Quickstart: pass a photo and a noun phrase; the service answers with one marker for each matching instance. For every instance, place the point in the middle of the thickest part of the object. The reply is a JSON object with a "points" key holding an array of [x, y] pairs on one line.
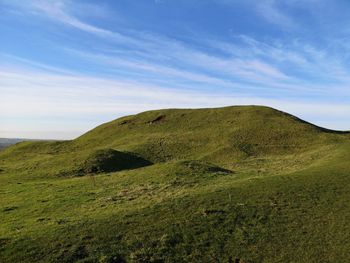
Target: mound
{"points": [[109, 160], [217, 135]]}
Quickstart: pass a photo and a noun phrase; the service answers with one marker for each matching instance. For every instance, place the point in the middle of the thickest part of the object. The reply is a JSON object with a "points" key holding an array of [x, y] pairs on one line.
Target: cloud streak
{"points": [[135, 70]]}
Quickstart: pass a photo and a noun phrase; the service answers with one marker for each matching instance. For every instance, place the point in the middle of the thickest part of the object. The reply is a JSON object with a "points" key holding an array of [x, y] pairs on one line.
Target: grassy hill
{"points": [[6, 142], [233, 184]]}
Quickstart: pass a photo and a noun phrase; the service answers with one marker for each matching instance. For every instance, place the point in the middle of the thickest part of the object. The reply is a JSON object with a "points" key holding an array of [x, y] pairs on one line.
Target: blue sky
{"points": [[67, 66]]}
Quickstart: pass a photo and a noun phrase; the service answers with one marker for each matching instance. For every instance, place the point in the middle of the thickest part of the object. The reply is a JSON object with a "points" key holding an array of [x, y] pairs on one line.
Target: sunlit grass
{"points": [[242, 183]]}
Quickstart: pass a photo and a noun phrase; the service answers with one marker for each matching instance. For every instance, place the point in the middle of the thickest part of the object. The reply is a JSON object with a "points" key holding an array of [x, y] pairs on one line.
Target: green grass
{"points": [[234, 184]]}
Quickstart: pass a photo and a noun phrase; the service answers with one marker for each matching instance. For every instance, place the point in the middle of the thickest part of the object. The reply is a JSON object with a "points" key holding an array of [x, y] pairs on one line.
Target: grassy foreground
{"points": [[234, 184]]}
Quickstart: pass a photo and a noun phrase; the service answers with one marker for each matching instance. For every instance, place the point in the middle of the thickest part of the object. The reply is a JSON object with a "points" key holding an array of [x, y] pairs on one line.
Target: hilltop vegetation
{"points": [[234, 184]]}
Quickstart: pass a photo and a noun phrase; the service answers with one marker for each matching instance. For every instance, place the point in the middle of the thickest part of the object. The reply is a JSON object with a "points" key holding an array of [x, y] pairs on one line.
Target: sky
{"points": [[67, 66]]}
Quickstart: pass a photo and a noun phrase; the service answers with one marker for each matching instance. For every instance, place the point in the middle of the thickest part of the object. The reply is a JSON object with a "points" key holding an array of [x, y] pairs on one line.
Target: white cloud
{"points": [[257, 69], [58, 10], [270, 10]]}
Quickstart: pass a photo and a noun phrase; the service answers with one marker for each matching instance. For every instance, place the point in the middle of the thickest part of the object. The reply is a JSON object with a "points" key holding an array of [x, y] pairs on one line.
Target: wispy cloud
{"points": [[138, 70], [271, 11], [58, 10], [157, 54]]}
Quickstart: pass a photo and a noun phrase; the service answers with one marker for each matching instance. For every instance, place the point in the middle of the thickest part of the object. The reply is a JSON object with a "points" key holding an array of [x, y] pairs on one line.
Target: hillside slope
{"points": [[6, 142], [224, 136], [234, 184]]}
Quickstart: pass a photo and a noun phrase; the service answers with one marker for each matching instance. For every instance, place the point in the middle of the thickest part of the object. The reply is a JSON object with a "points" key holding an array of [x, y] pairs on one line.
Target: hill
{"points": [[5, 142], [233, 184]]}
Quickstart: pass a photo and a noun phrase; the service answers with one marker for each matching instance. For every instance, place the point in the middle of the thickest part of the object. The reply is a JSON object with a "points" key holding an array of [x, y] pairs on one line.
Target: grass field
{"points": [[234, 184]]}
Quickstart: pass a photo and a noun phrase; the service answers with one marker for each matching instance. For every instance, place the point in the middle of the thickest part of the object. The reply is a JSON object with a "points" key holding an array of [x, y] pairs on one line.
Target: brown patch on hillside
{"points": [[159, 119]]}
